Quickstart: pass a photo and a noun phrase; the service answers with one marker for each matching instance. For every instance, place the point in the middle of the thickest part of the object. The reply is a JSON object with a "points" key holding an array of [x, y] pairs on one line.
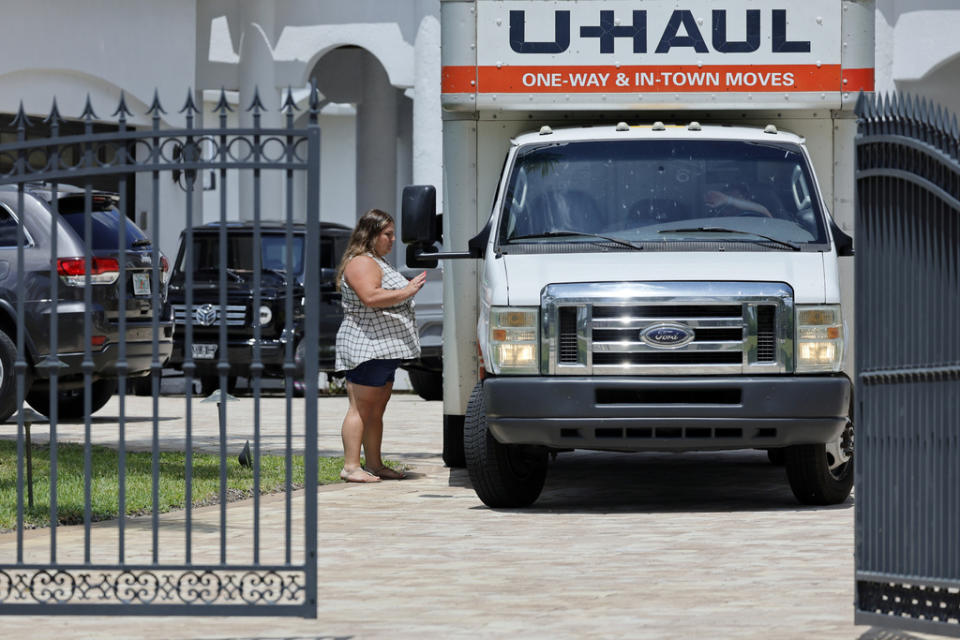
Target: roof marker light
{"points": [[623, 126], [694, 126], [545, 130], [658, 126], [770, 129]]}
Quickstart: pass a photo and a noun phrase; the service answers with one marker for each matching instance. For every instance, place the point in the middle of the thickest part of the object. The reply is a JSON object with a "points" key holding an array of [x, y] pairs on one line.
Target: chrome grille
{"points": [[236, 314], [600, 328]]}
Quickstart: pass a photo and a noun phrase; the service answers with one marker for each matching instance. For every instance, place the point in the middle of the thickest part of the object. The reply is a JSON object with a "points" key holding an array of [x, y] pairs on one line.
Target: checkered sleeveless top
{"points": [[369, 333]]}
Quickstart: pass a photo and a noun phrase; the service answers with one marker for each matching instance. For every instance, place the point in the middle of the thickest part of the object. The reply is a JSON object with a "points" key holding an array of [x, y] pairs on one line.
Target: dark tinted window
{"points": [[8, 228], [106, 229], [240, 255]]}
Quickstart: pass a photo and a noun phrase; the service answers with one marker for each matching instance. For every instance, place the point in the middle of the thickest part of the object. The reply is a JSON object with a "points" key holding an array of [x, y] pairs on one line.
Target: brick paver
{"points": [[704, 545]]}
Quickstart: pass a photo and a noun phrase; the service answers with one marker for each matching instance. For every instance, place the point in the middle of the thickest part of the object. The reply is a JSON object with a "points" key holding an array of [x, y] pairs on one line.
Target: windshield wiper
{"points": [[783, 243], [561, 233]]}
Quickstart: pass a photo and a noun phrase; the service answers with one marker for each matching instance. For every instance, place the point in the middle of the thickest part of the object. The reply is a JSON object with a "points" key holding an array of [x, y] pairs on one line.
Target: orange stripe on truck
{"points": [[654, 79]]}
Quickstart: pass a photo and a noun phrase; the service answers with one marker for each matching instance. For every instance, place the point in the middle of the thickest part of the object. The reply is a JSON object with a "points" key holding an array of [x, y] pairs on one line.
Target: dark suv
{"points": [[109, 298], [240, 312]]}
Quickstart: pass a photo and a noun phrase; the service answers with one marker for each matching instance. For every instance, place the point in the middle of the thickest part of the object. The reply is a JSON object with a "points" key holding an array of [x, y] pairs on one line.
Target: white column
{"points": [[376, 141], [427, 125], [257, 72]]}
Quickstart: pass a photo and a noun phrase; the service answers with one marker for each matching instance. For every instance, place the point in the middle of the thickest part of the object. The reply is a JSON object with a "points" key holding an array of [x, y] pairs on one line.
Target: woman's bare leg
{"points": [[371, 410], [352, 433]]}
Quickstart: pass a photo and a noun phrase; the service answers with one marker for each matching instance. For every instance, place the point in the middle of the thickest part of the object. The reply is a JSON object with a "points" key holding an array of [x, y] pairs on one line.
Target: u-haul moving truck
{"points": [[655, 265]]}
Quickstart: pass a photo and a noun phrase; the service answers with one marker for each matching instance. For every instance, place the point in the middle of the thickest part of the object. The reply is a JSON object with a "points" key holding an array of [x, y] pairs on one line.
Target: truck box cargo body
{"points": [[657, 262]]}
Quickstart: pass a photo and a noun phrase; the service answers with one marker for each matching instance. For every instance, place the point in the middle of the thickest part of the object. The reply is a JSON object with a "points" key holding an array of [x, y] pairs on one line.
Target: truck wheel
{"points": [[821, 474], [8, 377], [70, 402], [427, 384], [504, 476]]}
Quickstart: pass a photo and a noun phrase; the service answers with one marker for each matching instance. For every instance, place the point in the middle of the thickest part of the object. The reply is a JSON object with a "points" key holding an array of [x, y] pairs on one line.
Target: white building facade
{"points": [[376, 65]]}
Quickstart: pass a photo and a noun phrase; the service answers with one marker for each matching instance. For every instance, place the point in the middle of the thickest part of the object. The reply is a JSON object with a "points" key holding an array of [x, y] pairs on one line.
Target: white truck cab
{"points": [[653, 267]]}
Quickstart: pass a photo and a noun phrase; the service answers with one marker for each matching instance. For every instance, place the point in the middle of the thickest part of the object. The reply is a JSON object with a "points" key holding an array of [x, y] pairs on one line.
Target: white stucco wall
{"points": [[69, 49]]}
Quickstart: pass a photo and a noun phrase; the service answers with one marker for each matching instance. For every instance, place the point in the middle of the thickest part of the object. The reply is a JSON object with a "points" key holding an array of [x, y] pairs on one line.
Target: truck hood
{"points": [[527, 275]]}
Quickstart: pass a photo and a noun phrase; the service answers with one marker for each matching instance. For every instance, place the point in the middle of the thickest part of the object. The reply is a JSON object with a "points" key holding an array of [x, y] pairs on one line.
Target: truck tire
{"points": [[70, 402], [504, 476], [812, 480], [8, 377], [427, 384]]}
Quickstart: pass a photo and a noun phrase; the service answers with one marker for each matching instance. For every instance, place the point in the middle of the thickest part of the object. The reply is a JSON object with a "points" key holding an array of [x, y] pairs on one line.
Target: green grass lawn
{"points": [[139, 481]]}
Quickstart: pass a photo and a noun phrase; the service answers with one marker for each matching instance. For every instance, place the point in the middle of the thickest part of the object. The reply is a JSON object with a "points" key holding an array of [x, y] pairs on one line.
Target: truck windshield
{"points": [[642, 191], [240, 254]]}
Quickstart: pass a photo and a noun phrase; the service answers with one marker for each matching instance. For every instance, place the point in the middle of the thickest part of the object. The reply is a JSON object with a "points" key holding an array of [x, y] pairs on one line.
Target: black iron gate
{"points": [[908, 365], [112, 302]]}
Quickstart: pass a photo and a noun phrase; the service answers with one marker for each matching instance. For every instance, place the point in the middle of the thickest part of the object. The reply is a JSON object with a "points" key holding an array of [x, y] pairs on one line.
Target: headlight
{"points": [[819, 338], [266, 315], [514, 339]]}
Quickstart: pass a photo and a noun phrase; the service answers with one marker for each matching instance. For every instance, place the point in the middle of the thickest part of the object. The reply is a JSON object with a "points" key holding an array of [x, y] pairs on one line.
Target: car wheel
{"points": [[8, 377], [427, 384], [504, 476], [821, 474], [70, 402], [142, 386]]}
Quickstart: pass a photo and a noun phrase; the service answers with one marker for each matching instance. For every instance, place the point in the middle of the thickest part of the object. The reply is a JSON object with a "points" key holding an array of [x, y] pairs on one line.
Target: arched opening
{"points": [[367, 130]]}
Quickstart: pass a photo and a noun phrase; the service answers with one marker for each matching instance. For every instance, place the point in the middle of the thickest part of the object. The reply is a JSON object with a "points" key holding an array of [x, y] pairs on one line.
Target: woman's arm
{"points": [[365, 277]]}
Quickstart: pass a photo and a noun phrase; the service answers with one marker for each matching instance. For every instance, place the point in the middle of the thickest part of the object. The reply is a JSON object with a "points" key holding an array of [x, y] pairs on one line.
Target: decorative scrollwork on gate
{"points": [[153, 586]]}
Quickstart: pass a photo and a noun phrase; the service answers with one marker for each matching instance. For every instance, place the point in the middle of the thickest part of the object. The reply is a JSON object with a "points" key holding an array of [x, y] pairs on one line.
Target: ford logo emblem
{"points": [[667, 335]]}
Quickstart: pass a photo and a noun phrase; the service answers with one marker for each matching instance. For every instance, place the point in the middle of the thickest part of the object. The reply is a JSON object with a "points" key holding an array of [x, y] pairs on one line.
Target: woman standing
{"points": [[378, 332]]}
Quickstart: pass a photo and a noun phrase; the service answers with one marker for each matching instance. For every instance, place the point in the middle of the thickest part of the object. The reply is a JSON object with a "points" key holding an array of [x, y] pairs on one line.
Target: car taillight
{"points": [[164, 268], [102, 270]]}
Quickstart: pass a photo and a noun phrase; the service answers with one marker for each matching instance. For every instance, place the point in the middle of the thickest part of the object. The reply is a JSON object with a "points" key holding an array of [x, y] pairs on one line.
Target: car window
{"points": [[240, 254], [106, 229], [8, 228]]}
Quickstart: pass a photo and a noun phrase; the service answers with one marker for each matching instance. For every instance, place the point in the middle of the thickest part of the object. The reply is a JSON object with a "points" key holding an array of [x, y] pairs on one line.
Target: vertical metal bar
{"points": [[288, 357], [256, 369], [20, 367], [155, 444], [52, 359], [87, 365], [312, 268], [122, 364], [223, 369]]}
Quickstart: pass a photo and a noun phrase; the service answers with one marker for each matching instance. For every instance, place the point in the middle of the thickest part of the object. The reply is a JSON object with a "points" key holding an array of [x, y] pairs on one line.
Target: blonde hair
{"points": [[364, 236]]}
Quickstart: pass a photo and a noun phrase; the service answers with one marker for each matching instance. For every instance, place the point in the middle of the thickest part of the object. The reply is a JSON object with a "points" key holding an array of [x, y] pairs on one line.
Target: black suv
{"points": [[109, 298], [240, 313]]}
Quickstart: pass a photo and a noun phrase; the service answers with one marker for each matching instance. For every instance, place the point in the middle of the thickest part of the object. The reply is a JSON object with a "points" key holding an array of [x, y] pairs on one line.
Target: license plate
{"points": [[204, 351], [141, 284]]}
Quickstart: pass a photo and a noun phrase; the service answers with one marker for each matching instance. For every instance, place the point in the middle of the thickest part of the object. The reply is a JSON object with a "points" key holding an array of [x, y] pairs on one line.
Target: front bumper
{"points": [[240, 356], [667, 413]]}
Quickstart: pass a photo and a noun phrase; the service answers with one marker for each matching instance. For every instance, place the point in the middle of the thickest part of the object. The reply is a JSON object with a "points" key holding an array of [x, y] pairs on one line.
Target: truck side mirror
{"points": [[418, 213]]}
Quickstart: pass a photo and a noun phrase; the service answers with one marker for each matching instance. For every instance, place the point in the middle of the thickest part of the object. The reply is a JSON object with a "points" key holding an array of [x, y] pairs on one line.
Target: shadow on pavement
{"points": [[600, 482]]}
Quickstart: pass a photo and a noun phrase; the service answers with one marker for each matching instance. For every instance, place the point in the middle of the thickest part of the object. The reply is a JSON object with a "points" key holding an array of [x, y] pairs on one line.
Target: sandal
{"points": [[358, 475], [386, 473]]}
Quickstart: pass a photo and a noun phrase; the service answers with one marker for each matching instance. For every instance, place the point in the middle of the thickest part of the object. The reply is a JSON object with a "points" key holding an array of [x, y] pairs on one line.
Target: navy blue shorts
{"points": [[373, 373]]}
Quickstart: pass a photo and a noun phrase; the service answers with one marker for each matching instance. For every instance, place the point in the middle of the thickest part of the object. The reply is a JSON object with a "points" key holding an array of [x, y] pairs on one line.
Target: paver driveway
{"points": [[705, 545]]}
